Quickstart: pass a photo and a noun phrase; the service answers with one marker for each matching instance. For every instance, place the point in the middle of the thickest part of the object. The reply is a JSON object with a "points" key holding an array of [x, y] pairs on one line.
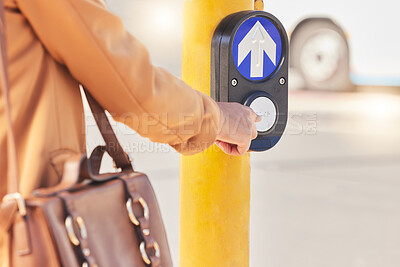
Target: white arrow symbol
{"points": [[256, 41]]}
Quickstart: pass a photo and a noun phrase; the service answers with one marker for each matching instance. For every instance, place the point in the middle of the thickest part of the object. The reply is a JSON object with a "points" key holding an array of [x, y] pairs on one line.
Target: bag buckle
{"points": [[19, 200]]}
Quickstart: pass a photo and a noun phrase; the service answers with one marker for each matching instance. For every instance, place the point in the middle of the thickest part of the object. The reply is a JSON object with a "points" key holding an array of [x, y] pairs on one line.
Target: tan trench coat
{"points": [[53, 44]]}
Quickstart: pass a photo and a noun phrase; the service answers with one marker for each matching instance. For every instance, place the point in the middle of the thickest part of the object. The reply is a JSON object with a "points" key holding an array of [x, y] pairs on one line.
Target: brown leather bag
{"points": [[88, 219]]}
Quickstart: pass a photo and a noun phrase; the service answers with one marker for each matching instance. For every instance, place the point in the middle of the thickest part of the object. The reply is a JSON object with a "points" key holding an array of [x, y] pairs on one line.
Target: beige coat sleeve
{"points": [[115, 67]]}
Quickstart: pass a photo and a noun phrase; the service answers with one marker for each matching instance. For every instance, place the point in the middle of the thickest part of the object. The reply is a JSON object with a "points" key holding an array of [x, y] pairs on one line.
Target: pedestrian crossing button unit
{"points": [[249, 65]]}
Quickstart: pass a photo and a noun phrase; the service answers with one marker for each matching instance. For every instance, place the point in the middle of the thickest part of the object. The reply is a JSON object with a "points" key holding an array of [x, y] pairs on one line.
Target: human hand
{"points": [[237, 128]]}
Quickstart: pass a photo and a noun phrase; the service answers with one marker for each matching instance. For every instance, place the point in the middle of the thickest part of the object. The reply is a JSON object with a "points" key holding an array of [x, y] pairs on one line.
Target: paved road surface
{"points": [[328, 195]]}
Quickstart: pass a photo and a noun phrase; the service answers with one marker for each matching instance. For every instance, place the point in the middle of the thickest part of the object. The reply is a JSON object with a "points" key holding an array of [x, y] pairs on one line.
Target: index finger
{"points": [[253, 115]]}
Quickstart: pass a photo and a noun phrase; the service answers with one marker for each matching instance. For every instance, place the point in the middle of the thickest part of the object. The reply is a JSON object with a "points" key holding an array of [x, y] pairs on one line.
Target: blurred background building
{"points": [[328, 195]]}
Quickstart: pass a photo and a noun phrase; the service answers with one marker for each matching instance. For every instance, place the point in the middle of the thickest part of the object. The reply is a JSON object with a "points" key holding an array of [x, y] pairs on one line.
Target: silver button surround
{"points": [[266, 109]]}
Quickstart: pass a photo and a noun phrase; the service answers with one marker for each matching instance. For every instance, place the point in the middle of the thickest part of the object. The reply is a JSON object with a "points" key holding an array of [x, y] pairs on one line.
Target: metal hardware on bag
{"points": [[144, 253], [146, 231], [132, 217], [85, 264], [156, 249], [82, 227], [86, 252], [19, 200], [146, 211], [71, 232], [145, 257]]}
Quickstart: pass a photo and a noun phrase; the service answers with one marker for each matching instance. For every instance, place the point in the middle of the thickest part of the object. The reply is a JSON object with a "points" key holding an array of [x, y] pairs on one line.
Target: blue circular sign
{"points": [[257, 48]]}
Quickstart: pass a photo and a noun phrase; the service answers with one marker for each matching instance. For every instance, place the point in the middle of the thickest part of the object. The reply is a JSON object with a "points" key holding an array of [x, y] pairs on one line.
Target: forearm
{"points": [[116, 68]]}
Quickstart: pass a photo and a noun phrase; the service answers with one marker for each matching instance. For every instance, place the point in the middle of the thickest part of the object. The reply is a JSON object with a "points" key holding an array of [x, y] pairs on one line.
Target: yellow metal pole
{"points": [[214, 187], [259, 5]]}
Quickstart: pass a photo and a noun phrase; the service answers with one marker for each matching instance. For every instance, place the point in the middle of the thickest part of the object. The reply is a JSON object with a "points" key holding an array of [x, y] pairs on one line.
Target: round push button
{"points": [[265, 108]]}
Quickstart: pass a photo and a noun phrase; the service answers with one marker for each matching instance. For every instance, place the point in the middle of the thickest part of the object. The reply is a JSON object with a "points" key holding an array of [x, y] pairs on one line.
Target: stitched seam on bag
{"points": [[125, 86]]}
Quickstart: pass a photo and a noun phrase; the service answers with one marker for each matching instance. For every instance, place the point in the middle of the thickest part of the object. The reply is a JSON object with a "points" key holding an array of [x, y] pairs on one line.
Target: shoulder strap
{"points": [[114, 148]]}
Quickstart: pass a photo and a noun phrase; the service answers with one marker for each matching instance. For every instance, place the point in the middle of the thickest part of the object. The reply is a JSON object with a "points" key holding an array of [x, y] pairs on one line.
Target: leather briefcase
{"points": [[88, 219]]}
